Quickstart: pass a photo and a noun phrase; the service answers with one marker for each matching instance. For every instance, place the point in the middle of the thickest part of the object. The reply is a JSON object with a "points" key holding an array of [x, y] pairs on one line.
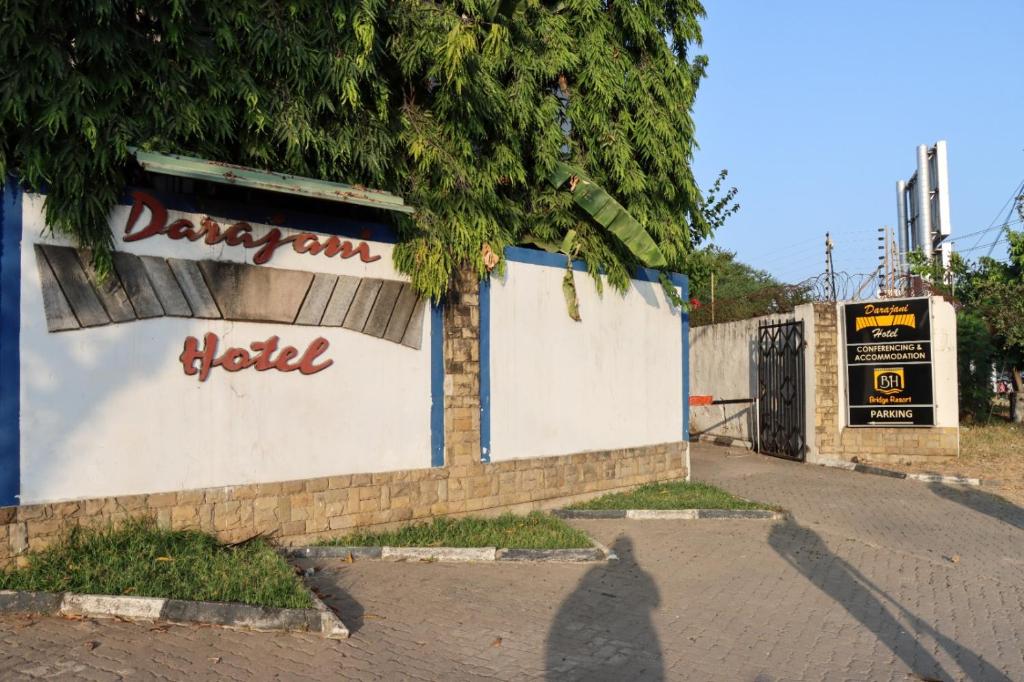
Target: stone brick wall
{"points": [[462, 370], [876, 444], [297, 512]]}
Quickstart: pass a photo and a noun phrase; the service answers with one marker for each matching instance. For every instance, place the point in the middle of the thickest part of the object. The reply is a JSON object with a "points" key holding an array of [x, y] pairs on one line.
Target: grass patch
{"points": [[139, 559], [991, 451], [508, 531], [672, 495]]}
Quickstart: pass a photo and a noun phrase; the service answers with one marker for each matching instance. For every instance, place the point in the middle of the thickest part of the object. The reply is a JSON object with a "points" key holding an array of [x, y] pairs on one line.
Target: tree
{"points": [[741, 291], [997, 293], [990, 296], [465, 108]]}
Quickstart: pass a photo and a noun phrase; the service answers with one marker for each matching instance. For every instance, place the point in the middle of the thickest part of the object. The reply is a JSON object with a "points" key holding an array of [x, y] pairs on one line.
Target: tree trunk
{"points": [[1017, 398]]}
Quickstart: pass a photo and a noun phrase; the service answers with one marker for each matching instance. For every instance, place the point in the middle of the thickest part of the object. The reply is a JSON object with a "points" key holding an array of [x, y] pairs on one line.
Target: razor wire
{"points": [[783, 298]]}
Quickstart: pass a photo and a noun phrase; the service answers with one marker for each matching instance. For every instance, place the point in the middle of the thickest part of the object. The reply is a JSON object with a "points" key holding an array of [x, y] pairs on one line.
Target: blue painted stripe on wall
{"points": [[10, 355], [519, 254], [684, 293], [436, 386], [485, 370], [538, 257]]}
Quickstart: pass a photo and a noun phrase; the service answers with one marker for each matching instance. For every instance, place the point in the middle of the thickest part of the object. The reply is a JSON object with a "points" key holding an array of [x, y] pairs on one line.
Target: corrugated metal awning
{"points": [[229, 174]]}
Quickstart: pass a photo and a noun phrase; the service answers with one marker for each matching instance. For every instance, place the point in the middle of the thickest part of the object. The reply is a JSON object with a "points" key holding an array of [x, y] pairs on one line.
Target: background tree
{"points": [[989, 296], [741, 291], [462, 107]]}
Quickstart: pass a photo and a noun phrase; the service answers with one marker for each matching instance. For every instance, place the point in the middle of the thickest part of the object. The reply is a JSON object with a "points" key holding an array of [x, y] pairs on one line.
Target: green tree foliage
{"points": [[462, 107], [741, 291], [975, 355], [989, 295]]}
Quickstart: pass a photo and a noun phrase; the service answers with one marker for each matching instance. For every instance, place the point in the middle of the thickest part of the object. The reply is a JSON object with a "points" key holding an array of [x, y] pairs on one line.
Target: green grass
{"points": [[508, 531], [140, 559], [672, 495]]}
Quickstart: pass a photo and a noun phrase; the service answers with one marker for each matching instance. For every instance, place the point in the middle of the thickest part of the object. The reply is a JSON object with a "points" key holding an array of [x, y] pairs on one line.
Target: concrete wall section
{"points": [[944, 367], [614, 380], [109, 410], [723, 364], [723, 359]]}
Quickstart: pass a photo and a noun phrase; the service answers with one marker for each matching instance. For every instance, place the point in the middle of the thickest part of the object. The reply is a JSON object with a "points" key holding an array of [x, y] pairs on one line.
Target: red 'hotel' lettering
{"points": [[236, 359], [238, 234]]}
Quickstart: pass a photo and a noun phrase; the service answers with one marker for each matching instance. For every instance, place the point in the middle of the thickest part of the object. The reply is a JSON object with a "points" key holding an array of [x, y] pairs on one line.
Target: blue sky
{"points": [[816, 109]]}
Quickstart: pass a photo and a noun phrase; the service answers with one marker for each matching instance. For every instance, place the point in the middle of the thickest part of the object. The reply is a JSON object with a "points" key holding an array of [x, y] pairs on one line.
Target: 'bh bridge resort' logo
{"points": [[889, 380]]}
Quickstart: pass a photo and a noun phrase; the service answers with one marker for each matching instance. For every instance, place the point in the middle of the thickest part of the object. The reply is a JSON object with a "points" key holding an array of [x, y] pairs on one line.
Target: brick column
{"points": [[826, 378], [462, 370]]}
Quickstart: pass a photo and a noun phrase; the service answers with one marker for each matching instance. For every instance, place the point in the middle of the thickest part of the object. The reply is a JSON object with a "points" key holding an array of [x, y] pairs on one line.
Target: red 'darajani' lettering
{"points": [[260, 355], [237, 234]]}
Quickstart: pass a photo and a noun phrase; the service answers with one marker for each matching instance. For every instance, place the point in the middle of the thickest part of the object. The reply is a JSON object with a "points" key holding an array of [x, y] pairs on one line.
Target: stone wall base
{"points": [[300, 512], [899, 445]]}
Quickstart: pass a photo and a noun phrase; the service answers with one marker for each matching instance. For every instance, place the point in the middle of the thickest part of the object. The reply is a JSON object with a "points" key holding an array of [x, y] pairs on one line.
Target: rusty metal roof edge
{"points": [[230, 174]]}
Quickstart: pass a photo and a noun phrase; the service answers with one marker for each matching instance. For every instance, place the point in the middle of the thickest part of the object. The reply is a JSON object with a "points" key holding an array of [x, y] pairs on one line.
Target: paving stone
{"points": [[855, 584]]}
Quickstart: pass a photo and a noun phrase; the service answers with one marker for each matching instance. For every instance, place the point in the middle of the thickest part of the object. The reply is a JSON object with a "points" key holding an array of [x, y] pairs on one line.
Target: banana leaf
{"points": [[569, 290], [609, 213], [503, 9]]}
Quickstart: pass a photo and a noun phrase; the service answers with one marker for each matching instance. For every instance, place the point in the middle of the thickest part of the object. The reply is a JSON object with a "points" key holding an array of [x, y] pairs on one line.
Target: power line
{"points": [[1011, 202], [987, 229], [985, 246]]}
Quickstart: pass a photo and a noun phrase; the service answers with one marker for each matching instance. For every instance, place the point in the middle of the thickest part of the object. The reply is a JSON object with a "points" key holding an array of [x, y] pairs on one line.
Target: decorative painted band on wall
{"points": [[143, 287]]}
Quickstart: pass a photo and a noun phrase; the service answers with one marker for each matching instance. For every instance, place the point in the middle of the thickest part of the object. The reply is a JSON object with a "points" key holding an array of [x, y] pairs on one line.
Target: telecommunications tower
{"points": [[922, 207]]}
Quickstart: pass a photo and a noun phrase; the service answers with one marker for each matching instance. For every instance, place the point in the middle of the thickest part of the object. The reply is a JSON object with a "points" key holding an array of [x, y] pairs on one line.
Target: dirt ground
{"points": [[993, 452]]}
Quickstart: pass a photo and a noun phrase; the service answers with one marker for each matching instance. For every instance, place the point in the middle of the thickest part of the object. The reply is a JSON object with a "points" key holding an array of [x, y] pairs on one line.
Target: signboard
{"points": [[889, 363]]}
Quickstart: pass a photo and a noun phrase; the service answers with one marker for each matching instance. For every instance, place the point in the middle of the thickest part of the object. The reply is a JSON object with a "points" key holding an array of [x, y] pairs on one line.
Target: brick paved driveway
{"points": [[872, 579]]}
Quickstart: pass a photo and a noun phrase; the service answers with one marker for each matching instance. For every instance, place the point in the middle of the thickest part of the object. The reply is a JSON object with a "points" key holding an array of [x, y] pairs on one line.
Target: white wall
{"points": [[557, 386], [723, 364], [109, 411], [944, 367]]}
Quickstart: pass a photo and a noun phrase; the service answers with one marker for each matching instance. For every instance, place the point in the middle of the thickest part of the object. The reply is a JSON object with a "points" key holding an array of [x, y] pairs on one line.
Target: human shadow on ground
{"points": [[982, 502], [872, 607], [329, 586], [603, 630]]}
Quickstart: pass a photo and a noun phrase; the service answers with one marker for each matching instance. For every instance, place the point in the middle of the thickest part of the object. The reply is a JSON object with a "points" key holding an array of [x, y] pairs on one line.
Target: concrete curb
{"points": [[889, 473], [564, 555], [589, 513], [333, 552], [670, 514], [727, 441], [242, 616], [454, 554], [955, 480], [439, 553]]}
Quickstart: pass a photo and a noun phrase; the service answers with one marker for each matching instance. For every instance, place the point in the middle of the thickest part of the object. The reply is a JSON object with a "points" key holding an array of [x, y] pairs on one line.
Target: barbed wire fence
{"points": [[783, 298]]}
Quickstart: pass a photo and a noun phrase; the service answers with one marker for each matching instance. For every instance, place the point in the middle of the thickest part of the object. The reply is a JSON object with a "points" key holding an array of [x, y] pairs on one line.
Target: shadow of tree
{"points": [[982, 502], [872, 607], [603, 630]]}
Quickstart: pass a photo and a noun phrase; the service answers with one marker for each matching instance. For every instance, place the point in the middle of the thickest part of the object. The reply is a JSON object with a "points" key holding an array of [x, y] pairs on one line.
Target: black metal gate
{"points": [[780, 390]]}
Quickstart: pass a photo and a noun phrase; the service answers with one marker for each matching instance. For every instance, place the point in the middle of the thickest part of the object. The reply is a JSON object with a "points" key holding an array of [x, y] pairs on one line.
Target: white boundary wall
{"points": [[109, 411], [558, 386], [723, 364]]}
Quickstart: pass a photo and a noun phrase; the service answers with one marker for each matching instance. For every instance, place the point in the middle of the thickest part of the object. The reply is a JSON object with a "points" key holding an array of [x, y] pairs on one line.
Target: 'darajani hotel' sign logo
{"points": [[236, 234], [143, 287], [889, 363]]}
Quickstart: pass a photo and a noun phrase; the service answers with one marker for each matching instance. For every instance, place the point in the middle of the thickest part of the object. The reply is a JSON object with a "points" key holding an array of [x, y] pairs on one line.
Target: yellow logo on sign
{"points": [[892, 315], [904, 320], [889, 380]]}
